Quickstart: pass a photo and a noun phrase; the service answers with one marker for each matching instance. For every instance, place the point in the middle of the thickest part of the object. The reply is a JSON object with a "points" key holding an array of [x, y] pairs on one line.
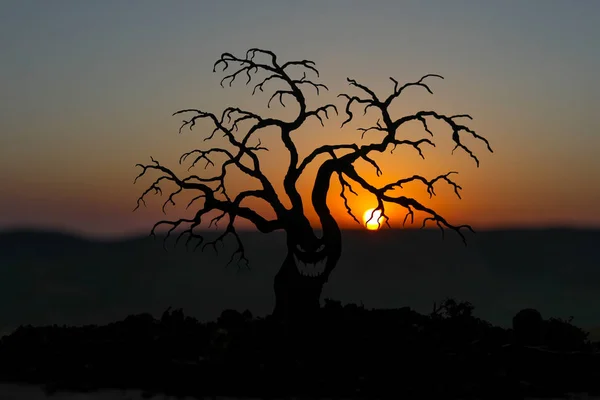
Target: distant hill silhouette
{"points": [[52, 277]]}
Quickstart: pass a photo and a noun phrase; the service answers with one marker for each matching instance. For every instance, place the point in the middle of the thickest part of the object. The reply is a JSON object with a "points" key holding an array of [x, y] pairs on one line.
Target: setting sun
{"points": [[375, 222]]}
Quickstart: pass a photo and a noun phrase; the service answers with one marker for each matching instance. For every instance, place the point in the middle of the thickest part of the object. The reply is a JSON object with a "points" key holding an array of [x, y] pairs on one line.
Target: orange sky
{"points": [[90, 89]]}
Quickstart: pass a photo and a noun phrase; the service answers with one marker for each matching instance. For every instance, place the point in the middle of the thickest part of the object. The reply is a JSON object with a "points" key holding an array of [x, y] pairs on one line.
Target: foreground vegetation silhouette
{"points": [[311, 257], [352, 352]]}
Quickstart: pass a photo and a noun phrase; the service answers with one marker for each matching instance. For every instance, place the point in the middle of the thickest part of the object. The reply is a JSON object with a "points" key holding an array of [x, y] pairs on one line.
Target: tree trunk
{"points": [[297, 297]]}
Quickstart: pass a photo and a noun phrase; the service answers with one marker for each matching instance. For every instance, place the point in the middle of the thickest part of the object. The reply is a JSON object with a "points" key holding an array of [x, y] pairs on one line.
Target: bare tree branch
{"points": [[240, 128], [456, 129], [304, 63], [242, 146], [322, 109], [378, 127], [399, 89], [409, 203], [229, 124], [326, 149], [355, 99], [371, 94], [276, 72], [229, 208], [345, 185], [389, 127], [304, 81], [428, 183]]}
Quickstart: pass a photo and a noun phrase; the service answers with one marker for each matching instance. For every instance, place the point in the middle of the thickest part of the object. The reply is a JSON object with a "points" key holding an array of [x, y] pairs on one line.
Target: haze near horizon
{"points": [[90, 89]]}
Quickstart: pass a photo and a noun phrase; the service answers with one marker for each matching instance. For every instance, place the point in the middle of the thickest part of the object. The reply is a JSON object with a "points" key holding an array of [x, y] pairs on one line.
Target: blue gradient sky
{"points": [[88, 89]]}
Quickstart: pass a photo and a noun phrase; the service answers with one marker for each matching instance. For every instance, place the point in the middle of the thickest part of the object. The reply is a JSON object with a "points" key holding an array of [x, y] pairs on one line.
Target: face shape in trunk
{"points": [[310, 260], [315, 257]]}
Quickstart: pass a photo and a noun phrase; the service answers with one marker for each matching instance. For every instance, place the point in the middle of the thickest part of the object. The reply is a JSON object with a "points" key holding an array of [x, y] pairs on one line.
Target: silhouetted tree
{"points": [[298, 290]]}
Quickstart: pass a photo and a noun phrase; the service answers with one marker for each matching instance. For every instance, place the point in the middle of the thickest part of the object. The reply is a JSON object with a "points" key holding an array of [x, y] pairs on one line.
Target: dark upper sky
{"points": [[88, 88]]}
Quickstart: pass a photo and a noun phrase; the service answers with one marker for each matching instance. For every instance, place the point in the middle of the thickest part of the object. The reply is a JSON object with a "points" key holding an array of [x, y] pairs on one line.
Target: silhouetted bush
{"points": [[561, 335], [528, 327], [347, 351]]}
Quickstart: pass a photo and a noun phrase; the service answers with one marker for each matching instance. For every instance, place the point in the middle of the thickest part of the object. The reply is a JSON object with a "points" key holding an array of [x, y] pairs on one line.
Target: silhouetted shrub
{"points": [[450, 308], [232, 319], [528, 327], [561, 335], [347, 350]]}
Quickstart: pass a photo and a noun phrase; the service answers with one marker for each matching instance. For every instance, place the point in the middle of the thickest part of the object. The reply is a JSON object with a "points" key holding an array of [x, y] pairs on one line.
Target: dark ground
{"points": [[347, 351], [51, 278]]}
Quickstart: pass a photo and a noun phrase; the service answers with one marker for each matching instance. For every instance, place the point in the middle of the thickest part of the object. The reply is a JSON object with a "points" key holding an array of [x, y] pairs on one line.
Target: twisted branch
{"points": [[389, 127], [249, 66], [409, 203], [229, 125], [228, 208], [340, 157]]}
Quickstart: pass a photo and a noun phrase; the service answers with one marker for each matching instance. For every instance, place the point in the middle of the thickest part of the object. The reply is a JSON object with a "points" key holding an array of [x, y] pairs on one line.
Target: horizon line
{"points": [[174, 234]]}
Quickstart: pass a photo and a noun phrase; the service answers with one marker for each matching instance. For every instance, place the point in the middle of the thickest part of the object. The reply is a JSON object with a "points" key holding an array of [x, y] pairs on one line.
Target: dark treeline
{"points": [[347, 351]]}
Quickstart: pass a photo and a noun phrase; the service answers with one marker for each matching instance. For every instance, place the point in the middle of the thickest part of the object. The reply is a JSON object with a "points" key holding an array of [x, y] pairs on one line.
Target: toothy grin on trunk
{"points": [[310, 263]]}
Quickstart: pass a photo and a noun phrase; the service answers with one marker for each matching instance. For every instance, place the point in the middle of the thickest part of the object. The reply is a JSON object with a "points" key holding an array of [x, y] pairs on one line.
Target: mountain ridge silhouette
{"points": [[60, 277]]}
